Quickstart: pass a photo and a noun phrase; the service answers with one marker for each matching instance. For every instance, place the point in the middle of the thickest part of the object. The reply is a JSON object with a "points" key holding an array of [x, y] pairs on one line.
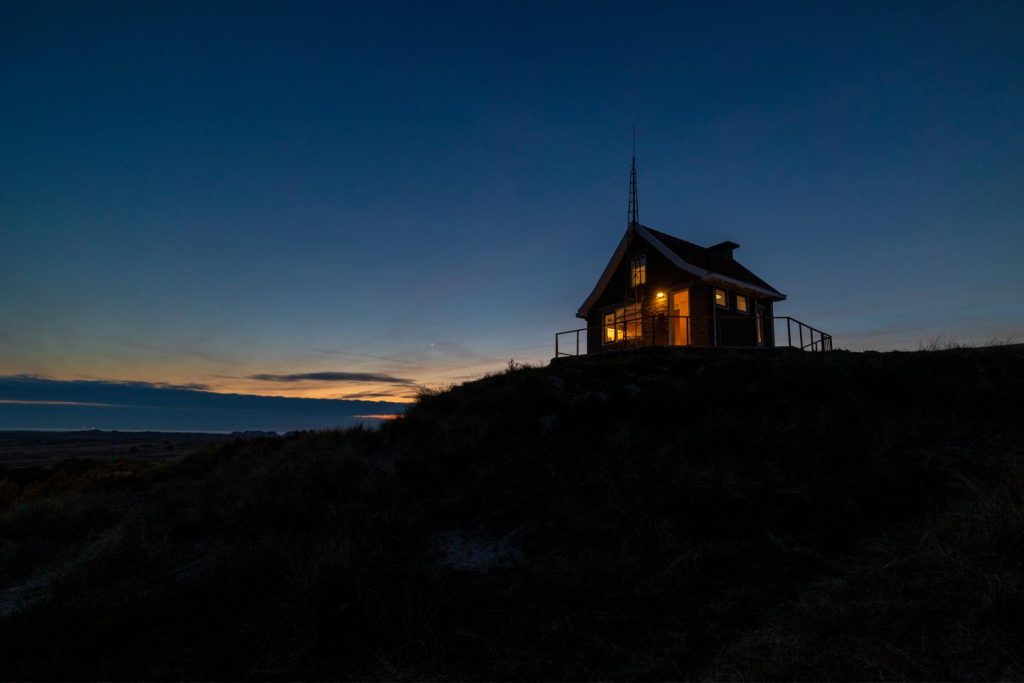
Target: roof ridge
{"points": [[704, 262], [667, 234], [709, 260]]}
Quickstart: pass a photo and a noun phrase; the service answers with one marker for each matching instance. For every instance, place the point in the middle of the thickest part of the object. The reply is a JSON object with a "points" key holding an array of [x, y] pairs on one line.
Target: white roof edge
{"points": [[725, 279], [703, 274], [671, 255]]}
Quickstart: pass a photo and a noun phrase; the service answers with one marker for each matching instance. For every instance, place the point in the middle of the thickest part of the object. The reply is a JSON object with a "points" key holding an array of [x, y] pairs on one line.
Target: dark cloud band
{"points": [[333, 377]]}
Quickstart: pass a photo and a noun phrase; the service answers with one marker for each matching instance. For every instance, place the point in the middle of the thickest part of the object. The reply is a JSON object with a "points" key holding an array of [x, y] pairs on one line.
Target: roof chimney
{"points": [[724, 249]]}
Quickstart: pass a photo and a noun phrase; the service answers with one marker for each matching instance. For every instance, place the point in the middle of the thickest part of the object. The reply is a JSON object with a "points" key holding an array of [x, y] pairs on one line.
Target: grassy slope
{"points": [[842, 516]]}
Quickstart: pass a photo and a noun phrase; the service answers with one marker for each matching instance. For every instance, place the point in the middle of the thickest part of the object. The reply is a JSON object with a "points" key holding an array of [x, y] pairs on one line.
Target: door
{"points": [[760, 324], [679, 318]]}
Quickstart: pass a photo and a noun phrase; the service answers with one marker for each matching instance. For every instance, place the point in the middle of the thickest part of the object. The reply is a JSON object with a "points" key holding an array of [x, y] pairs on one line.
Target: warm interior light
{"points": [[661, 295]]}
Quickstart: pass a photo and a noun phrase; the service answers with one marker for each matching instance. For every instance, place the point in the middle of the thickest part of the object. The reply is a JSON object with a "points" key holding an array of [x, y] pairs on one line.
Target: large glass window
{"points": [[625, 322], [721, 298], [742, 305], [638, 271]]}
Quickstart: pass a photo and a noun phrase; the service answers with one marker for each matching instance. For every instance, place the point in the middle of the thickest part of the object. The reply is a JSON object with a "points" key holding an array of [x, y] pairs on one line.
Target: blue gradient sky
{"points": [[206, 192]]}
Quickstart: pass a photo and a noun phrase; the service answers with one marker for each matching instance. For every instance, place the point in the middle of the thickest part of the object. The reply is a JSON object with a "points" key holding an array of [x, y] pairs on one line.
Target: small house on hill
{"points": [[660, 290]]}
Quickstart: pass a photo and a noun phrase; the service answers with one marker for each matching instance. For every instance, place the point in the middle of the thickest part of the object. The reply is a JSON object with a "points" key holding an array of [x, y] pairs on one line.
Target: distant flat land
{"points": [[28, 449]]}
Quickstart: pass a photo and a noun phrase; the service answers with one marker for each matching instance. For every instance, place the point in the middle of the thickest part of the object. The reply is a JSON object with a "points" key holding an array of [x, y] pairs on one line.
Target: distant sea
{"points": [[40, 404]]}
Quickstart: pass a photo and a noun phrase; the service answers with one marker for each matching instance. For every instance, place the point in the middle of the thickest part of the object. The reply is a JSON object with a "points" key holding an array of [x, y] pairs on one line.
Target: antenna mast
{"points": [[636, 285], [634, 210]]}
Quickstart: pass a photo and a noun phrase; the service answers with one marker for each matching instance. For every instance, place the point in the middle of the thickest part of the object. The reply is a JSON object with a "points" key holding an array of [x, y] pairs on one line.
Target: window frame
{"points": [[725, 298], [746, 304], [638, 265], [636, 323], [613, 328], [623, 329]]}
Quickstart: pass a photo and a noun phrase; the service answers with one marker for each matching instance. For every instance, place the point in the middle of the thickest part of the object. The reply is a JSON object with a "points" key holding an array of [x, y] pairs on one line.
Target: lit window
{"points": [[638, 271], [721, 298], [623, 323], [634, 322], [611, 330], [741, 304]]}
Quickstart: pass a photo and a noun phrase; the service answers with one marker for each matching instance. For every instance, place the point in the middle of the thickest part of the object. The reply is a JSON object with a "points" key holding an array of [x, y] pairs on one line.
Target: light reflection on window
{"points": [[638, 271], [625, 322]]}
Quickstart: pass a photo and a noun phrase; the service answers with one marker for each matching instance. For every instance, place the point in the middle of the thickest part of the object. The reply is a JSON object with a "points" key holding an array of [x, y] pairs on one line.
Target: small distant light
{"points": [[661, 295]]}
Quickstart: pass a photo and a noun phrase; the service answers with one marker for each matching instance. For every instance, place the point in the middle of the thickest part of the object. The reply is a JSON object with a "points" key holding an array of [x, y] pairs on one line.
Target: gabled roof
{"points": [[711, 264], [712, 260]]}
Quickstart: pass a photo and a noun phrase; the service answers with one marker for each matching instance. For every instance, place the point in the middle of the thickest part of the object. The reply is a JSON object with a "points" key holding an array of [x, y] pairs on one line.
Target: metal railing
{"points": [[621, 330], [813, 340], [799, 335]]}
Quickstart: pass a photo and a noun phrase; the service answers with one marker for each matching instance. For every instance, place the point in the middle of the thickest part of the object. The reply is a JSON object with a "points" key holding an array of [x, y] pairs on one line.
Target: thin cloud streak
{"points": [[138, 384], [375, 395], [334, 377], [87, 404], [339, 352]]}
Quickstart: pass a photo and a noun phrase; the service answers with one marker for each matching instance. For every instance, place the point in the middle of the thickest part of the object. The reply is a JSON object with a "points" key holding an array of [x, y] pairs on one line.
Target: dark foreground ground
{"points": [[644, 516]]}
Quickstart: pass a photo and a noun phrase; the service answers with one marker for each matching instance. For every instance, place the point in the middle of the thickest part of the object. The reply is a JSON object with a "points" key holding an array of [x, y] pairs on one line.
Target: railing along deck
{"points": [[799, 335], [816, 339]]}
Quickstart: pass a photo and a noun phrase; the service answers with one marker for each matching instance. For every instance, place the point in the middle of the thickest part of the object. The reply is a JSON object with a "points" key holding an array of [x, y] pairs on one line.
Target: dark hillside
{"points": [[647, 515]]}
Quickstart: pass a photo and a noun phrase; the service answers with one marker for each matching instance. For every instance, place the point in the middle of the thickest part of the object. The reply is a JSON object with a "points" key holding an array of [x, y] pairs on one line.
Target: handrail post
{"points": [[789, 331], [800, 328], [577, 342], [556, 345]]}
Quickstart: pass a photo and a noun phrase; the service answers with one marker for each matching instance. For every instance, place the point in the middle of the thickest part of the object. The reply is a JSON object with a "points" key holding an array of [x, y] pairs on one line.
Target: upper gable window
{"points": [[721, 298], [742, 304], [638, 271]]}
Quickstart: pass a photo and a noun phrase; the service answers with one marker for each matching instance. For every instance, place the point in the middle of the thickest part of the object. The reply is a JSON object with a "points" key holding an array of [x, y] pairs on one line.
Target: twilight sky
{"points": [[354, 199]]}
